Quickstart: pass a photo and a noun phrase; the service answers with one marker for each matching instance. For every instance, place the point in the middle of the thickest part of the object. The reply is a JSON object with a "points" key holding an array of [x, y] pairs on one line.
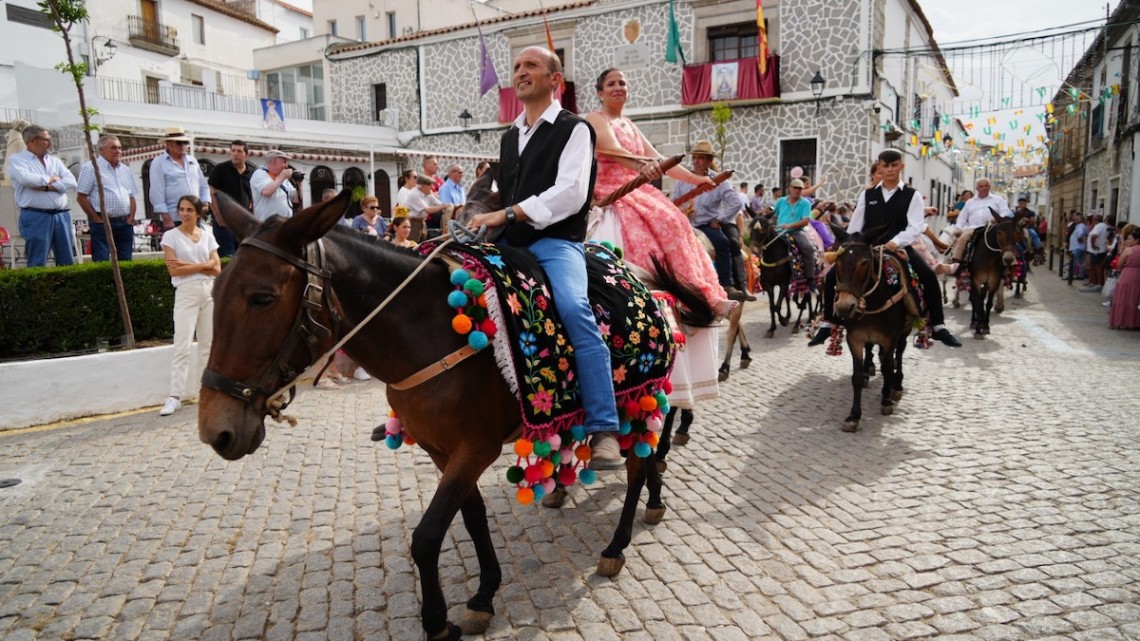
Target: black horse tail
{"points": [[693, 308]]}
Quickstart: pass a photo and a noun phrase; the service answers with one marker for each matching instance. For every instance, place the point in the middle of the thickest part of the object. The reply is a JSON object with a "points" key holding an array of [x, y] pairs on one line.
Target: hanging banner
{"points": [[723, 81]]}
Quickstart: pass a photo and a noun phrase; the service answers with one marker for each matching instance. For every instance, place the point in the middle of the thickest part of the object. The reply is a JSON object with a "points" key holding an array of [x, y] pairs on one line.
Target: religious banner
{"points": [[723, 81]]}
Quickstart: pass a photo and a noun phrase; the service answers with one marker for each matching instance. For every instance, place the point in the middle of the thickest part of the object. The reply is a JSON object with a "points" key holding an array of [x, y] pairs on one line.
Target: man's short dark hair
{"points": [[240, 143], [888, 156], [759, 189]]}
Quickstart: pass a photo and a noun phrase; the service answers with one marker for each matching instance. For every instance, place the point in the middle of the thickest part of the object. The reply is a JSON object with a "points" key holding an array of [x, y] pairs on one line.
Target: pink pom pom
{"points": [[555, 442], [548, 485], [654, 423], [567, 454], [393, 426]]}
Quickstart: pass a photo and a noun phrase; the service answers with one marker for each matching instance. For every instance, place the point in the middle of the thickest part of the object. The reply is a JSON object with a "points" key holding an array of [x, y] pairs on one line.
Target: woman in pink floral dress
{"points": [[651, 225]]}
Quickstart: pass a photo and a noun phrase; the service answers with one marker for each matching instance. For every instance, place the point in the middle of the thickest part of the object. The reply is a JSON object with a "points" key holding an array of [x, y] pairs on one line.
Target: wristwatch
{"points": [[510, 215]]}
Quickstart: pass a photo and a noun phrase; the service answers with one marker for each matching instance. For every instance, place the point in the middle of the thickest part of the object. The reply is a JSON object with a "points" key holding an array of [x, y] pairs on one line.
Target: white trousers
{"points": [[193, 310]]}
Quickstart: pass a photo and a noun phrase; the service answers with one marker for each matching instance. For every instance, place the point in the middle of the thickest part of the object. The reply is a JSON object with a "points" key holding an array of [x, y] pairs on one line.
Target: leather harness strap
{"points": [[435, 369]]}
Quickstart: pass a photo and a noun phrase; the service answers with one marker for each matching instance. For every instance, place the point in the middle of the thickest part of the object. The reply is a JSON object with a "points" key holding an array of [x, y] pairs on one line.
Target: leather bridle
{"points": [[306, 331], [871, 283]]}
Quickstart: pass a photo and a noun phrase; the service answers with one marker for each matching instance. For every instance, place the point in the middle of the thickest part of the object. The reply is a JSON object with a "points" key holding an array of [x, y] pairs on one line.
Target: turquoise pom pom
{"points": [[642, 450], [539, 491], [394, 441], [587, 476], [473, 285], [625, 428], [456, 299], [459, 276], [477, 340], [578, 433]]}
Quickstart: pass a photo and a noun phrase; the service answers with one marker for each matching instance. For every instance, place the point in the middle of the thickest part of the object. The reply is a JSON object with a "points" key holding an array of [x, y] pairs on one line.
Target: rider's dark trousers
{"points": [[739, 276], [931, 289]]}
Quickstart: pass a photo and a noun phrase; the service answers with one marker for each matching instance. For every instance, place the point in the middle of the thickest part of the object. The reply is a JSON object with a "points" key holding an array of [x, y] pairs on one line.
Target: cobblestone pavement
{"points": [[1001, 501]]}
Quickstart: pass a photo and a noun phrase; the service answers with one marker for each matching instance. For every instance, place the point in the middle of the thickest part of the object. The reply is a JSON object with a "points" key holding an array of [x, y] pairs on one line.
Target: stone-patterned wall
{"points": [[350, 87], [817, 34], [451, 80], [1101, 167]]}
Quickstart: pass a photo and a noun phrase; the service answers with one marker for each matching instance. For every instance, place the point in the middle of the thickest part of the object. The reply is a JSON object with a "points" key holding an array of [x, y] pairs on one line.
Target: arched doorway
{"points": [[355, 180], [382, 185], [320, 179]]}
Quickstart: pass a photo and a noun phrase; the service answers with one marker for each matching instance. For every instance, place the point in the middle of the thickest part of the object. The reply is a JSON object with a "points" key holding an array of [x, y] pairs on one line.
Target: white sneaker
{"points": [[361, 375], [326, 383], [171, 406]]}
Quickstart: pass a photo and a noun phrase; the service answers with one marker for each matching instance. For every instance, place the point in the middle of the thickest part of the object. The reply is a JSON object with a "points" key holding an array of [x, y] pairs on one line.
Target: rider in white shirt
{"points": [[977, 212]]}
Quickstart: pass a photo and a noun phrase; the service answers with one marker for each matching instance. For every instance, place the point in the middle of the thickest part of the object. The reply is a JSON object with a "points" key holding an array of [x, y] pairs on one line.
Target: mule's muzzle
{"points": [[233, 429], [1008, 258]]}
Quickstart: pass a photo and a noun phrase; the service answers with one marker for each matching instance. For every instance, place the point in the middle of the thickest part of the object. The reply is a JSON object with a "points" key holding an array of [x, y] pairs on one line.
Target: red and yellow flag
{"points": [[762, 57]]}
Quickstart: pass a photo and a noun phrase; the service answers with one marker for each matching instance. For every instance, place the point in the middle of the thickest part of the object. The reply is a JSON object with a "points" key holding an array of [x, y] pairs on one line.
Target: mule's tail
{"points": [[693, 308]]}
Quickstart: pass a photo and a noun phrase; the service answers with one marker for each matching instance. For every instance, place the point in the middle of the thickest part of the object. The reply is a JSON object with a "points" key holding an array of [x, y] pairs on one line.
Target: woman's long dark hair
{"points": [[199, 207]]}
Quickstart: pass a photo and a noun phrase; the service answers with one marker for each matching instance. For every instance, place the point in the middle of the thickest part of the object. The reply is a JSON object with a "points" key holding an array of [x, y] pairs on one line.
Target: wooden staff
{"points": [[640, 180], [701, 189]]}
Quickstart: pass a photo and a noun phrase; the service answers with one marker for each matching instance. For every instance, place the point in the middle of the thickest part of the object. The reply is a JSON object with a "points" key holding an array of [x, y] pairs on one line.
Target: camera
{"points": [[298, 175]]}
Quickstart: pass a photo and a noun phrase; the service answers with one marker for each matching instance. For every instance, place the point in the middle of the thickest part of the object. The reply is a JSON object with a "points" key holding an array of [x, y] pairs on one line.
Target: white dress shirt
{"points": [[976, 212], [914, 217], [572, 185], [31, 175]]}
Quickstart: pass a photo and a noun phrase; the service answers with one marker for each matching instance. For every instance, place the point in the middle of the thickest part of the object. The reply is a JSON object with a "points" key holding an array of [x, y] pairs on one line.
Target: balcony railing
{"points": [[192, 97], [153, 36]]}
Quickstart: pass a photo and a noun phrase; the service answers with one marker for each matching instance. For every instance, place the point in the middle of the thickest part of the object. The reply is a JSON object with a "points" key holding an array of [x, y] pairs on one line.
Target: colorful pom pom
{"points": [[514, 474], [548, 485], [587, 476], [477, 340], [567, 475], [608, 245], [625, 427], [667, 386], [653, 438], [546, 468], [523, 447], [542, 448], [487, 326], [578, 433], [532, 474], [648, 403], [474, 285], [642, 450], [393, 426], [583, 452], [539, 492], [394, 441], [555, 441], [456, 299], [459, 276], [654, 424], [525, 496], [631, 409], [461, 323]]}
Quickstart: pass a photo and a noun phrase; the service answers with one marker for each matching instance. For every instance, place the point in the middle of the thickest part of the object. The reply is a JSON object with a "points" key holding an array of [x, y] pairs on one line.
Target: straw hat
{"points": [[175, 134], [704, 147]]}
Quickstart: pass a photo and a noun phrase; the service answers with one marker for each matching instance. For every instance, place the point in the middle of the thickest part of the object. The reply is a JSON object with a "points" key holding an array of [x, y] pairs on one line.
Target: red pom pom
{"points": [[625, 441], [667, 387], [533, 474], [488, 327], [567, 476], [631, 409]]}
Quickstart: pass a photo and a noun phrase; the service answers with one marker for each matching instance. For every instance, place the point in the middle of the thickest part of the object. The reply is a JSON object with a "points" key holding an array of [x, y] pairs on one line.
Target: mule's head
{"points": [[257, 299], [854, 275], [762, 230], [1009, 233]]}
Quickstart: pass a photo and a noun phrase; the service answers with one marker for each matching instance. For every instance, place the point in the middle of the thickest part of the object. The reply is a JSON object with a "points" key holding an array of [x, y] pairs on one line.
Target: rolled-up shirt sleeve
{"points": [[571, 187]]}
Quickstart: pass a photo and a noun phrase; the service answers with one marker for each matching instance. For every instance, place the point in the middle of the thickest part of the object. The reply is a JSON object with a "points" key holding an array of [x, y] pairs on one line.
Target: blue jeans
{"points": [[1078, 263], [227, 243], [1033, 237], [43, 232], [564, 262], [124, 235], [723, 247]]}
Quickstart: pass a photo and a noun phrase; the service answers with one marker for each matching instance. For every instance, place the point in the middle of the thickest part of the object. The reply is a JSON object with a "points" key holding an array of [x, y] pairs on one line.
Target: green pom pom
{"points": [[515, 474], [620, 252], [608, 245], [542, 449], [473, 285]]}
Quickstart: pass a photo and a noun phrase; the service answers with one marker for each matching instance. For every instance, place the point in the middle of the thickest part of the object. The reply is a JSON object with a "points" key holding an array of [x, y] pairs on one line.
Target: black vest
{"points": [[891, 215], [535, 172]]}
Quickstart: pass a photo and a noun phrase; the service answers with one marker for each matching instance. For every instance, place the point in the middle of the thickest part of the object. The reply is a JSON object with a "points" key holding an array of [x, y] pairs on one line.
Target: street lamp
{"points": [[817, 83], [104, 54], [465, 118]]}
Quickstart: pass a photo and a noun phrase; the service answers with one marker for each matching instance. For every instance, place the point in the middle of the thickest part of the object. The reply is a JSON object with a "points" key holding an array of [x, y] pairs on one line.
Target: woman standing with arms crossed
{"points": [[193, 263]]}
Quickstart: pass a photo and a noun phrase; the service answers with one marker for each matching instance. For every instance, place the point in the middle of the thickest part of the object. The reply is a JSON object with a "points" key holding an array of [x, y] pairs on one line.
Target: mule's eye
{"points": [[261, 300]]}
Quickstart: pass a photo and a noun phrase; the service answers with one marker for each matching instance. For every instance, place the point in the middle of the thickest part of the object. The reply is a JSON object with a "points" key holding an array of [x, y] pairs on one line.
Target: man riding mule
{"points": [[893, 212]]}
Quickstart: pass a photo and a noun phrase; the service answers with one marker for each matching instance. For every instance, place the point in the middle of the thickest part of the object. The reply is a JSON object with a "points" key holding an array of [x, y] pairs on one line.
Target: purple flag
{"points": [[488, 79]]}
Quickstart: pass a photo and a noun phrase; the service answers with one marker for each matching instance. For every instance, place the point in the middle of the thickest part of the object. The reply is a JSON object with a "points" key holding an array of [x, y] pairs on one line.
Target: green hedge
{"points": [[61, 310]]}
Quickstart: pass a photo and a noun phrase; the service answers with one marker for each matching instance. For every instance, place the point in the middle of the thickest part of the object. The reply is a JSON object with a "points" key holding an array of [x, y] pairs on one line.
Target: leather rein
{"points": [[307, 330], [871, 283]]}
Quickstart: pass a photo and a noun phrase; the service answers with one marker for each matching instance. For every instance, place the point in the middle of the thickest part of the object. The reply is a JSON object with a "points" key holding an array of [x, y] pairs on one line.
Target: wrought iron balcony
{"points": [[153, 36]]}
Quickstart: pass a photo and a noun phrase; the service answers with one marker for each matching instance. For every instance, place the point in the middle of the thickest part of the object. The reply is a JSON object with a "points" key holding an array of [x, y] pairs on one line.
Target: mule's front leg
{"points": [[613, 560], [856, 349], [480, 609], [886, 359]]}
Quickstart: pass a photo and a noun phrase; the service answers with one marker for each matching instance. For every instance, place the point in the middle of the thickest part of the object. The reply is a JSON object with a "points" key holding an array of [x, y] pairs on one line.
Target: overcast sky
{"points": [[957, 20]]}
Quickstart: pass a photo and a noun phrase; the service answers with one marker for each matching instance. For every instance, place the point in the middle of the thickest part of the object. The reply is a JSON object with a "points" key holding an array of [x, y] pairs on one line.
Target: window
{"points": [[392, 33], [797, 153], [1097, 126], [732, 42], [31, 17], [379, 100], [361, 29], [332, 28], [304, 33], [198, 26]]}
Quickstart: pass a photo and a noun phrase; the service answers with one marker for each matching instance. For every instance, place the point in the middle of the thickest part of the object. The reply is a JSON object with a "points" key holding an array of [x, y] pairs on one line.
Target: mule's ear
{"points": [[481, 188], [313, 222], [237, 218]]}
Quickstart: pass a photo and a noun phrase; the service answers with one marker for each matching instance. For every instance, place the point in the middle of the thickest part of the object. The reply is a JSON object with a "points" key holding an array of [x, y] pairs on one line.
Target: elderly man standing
{"points": [[119, 206], [273, 192], [709, 210], [173, 175], [422, 204], [430, 167], [977, 212], [452, 192], [41, 184]]}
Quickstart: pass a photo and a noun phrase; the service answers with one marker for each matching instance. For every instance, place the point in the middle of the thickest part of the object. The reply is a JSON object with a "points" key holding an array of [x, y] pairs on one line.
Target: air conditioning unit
{"points": [[388, 118]]}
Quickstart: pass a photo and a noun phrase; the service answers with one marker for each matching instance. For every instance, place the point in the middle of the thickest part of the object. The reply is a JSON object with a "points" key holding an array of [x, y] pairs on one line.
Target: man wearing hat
{"points": [[793, 213], [173, 175], [711, 212], [273, 192]]}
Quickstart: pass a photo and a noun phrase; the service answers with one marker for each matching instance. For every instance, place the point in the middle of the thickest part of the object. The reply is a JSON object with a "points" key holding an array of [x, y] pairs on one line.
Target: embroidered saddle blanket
{"points": [[532, 349]]}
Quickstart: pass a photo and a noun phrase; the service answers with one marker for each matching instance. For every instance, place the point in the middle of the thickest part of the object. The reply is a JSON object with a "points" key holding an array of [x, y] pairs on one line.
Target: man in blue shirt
{"points": [[120, 189], [42, 182], [793, 213], [173, 175], [452, 190]]}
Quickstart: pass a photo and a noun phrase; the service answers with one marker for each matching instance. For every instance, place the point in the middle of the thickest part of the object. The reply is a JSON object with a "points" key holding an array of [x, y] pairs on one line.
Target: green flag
{"points": [[673, 45]]}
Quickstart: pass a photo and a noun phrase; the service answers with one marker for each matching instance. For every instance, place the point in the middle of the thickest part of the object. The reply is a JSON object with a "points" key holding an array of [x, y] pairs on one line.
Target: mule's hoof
{"points": [[554, 500], [850, 426], [979, 335], [451, 633], [745, 362], [475, 622], [986, 331], [653, 516], [722, 374], [770, 333], [797, 328], [680, 439], [608, 567], [896, 395], [662, 466], [888, 409], [866, 380], [957, 304]]}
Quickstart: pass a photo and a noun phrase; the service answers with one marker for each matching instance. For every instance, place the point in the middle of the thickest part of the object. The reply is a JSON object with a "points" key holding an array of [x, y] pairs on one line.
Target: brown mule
{"points": [[294, 288]]}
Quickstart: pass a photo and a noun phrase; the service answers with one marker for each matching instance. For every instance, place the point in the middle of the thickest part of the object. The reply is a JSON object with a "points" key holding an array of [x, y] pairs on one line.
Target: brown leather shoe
{"points": [[605, 451]]}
